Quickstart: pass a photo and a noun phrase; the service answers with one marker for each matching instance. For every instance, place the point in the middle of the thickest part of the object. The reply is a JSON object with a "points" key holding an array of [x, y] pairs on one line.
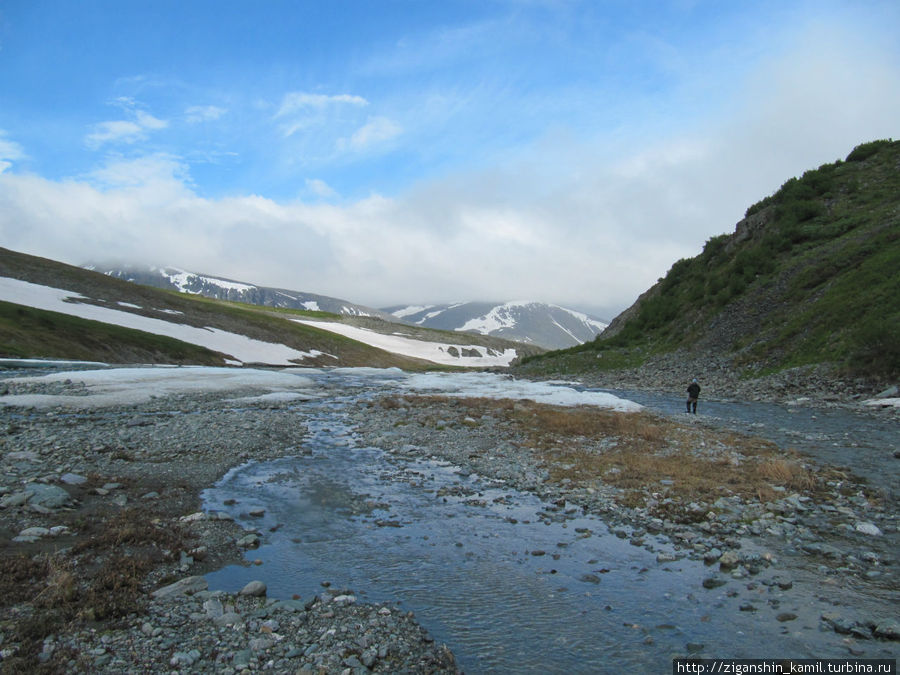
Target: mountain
{"points": [[176, 279], [537, 323], [809, 281], [546, 326], [52, 310]]}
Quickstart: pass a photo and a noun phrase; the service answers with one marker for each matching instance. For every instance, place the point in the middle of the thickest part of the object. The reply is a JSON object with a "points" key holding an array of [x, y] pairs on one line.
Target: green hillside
{"points": [[810, 276], [34, 333]]}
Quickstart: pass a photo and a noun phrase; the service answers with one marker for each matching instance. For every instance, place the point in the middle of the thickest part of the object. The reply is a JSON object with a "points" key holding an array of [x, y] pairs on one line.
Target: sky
{"points": [[415, 151]]}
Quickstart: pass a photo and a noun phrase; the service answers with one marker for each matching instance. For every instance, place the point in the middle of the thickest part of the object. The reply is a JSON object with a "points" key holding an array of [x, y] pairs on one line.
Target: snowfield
{"points": [[436, 352], [240, 347], [112, 386]]}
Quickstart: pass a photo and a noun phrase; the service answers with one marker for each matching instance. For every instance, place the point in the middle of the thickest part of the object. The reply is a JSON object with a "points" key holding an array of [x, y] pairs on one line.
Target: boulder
{"points": [[255, 589], [48, 496], [187, 586]]}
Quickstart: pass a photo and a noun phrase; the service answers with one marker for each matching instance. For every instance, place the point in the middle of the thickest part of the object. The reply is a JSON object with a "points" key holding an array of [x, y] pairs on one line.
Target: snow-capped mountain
{"points": [[545, 325], [173, 278]]}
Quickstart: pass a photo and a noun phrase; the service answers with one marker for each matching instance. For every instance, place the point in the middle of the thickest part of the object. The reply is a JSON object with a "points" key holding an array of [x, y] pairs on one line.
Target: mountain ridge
{"points": [[222, 288], [52, 310], [546, 325]]}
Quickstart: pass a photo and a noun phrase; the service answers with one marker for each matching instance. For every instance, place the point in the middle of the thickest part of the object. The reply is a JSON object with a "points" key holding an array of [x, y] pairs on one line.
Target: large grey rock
{"points": [[188, 586], [254, 588], [48, 496]]}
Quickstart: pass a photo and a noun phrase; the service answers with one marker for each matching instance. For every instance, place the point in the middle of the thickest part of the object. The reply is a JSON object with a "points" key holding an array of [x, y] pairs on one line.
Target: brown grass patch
{"points": [[647, 456], [787, 473], [644, 454]]}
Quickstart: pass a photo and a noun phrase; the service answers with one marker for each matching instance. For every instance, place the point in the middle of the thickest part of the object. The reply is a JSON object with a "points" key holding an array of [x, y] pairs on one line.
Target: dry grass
{"points": [[787, 474], [100, 579], [635, 452]]}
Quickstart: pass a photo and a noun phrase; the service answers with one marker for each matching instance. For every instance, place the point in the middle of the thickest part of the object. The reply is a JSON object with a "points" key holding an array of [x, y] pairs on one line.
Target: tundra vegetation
{"points": [[815, 264]]}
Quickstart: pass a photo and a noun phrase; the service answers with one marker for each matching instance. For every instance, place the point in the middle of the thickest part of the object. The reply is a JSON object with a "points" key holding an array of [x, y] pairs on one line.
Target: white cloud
{"points": [[320, 188], [586, 222], [203, 113], [10, 151], [301, 110], [124, 131], [375, 131], [298, 100]]}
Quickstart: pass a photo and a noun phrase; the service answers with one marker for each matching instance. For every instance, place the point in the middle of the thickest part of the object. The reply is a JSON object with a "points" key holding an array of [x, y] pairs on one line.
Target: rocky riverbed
{"points": [[105, 543], [765, 518], [104, 547]]}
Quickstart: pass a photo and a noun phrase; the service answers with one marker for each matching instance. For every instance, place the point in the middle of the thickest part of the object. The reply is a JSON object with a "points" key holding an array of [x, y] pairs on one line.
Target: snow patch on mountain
{"points": [[239, 347], [542, 324], [437, 352]]}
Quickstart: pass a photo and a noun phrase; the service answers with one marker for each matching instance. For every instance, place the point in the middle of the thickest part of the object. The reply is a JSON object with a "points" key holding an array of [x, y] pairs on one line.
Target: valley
{"points": [[333, 519]]}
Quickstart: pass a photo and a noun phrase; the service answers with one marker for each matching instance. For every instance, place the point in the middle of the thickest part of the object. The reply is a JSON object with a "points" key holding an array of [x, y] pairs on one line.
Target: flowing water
{"points": [[510, 583]]}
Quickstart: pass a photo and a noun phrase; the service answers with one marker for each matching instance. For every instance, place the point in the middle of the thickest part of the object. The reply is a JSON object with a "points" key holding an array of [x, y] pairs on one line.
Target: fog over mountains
{"points": [[541, 324]]}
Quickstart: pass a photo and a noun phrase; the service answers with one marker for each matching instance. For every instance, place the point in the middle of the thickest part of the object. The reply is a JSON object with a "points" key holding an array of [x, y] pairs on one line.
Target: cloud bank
{"points": [[585, 219]]}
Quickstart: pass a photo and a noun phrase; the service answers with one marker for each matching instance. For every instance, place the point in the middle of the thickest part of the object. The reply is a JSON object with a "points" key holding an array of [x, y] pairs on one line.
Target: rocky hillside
{"points": [[807, 287]]}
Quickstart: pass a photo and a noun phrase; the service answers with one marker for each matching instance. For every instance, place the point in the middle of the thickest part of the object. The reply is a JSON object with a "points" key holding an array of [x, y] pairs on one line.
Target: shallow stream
{"points": [[510, 583]]}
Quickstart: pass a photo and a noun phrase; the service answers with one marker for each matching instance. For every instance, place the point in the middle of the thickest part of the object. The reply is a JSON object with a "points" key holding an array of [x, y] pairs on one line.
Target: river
{"points": [[511, 584]]}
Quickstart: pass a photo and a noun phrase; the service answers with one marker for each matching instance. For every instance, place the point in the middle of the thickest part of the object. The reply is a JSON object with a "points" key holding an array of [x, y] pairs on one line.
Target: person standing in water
{"points": [[693, 392]]}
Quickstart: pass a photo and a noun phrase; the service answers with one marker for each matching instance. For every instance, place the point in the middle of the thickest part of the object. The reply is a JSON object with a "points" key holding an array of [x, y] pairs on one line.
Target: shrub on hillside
{"points": [[864, 151]]}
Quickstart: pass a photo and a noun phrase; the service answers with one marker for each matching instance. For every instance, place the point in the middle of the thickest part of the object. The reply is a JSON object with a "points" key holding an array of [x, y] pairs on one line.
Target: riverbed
{"points": [[512, 582]]}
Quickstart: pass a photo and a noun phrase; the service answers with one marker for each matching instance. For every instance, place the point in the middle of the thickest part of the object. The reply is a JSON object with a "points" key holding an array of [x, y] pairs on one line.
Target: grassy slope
{"points": [[27, 332], [812, 275]]}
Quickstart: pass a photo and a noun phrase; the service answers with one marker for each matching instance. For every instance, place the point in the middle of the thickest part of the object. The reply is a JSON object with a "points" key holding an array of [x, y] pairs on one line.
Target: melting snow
{"points": [[127, 386], [240, 347], [412, 309], [493, 385], [436, 352], [182, 278]]}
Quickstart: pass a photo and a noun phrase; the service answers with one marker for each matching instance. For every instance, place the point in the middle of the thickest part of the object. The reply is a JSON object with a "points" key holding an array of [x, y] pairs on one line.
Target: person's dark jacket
{"points": [[693, 390]]}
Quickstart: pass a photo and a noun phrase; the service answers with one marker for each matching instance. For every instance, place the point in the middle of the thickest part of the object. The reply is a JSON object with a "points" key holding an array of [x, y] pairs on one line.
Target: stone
{"points": [[35, 532], [13, 500], [229, 619], [48, 496], [888, 629], [73, 479], [729, 559], [838, 622], [254, 589], [868, 528], [186, 586], [249, 541]]}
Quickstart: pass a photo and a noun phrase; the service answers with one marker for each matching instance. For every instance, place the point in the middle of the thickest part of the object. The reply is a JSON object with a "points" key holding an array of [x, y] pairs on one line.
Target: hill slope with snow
{"points": [[548, 326], [52, 310], [176, 279]]}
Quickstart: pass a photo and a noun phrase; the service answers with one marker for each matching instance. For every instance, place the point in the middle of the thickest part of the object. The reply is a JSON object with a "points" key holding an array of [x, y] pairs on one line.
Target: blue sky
{"points": [[414, 151]]}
